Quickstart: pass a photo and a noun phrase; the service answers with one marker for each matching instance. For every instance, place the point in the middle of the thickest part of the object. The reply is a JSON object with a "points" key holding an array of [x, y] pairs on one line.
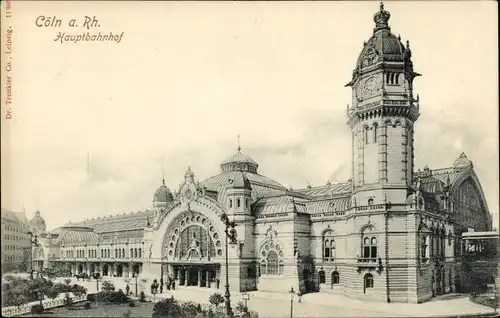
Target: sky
{"points": [[187, 78]]}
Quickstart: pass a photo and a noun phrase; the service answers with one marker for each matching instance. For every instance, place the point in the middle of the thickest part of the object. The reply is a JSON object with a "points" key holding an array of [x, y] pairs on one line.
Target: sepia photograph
{"points": [[249, 159]]}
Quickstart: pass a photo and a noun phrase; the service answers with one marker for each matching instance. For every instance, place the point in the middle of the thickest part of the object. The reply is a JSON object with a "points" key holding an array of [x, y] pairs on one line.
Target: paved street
{"points": [[319, 304]]}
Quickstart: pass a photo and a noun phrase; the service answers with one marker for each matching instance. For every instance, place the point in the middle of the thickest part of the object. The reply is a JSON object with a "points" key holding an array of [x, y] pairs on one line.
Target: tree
{"points": [[167, 308], [216, 299]]}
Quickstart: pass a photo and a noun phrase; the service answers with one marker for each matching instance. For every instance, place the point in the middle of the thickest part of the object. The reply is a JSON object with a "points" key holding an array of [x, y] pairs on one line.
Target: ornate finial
{"points": [[407, 44], [381, 19], [239, 148]]}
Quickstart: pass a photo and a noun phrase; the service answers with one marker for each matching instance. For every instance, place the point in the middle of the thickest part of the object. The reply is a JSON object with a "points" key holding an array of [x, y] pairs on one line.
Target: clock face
{"points": [[370, 86]]}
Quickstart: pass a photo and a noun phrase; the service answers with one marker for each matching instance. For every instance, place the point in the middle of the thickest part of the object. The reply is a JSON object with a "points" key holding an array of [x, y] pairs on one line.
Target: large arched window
{"points": [[375, 131], [368, 281], [365, 134], [272, 262], [335, 278], [328, 246], [370, 243]]}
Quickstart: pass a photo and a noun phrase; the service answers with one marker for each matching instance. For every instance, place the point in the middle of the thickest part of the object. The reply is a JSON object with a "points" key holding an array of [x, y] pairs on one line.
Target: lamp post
{"points": [[292, 293], [33, 242], [135, 275], [231, 237]]}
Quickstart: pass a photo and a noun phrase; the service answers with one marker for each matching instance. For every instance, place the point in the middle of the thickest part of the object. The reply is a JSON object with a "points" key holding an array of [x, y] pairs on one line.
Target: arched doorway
{"points": [[439, 287], [335, 278], [135, 270], [368, 282], [92, 269], [321, 277], [119, 270], [80, 269], [105, 270], [306, 276], [193, 276]]}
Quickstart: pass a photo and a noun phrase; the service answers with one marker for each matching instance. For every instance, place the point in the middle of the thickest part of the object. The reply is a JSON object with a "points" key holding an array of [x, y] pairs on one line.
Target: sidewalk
{"points": [[458, 306], [447, 307]]}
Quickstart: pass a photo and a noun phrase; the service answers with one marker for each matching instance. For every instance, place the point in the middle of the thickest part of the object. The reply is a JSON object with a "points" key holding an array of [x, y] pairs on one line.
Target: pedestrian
{"points": [[299, 294], [173, 284], [127, 289], [217, 282]]}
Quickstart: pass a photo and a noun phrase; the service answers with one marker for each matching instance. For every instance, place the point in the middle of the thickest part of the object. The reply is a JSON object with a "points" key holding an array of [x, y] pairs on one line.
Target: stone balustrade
{"points": [[12, 311]]}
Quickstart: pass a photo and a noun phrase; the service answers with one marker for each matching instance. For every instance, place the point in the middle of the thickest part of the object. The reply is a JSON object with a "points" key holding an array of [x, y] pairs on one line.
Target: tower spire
{"points": [[239, 148], [162, 169]]}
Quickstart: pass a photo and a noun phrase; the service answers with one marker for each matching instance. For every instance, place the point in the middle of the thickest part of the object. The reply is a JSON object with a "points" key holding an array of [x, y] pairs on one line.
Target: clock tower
{"points": [[382, 117]]}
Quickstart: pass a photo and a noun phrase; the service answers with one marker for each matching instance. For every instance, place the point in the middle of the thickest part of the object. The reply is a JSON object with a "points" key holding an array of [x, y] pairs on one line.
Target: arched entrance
{"points": [[105, 270], [92, 269], [80, 269], [119, 270]]}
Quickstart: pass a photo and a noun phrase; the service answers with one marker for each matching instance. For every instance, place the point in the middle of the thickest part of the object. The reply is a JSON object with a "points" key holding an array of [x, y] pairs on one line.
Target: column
{"points": [[199, 277], [130, 269], [207, 274], [186, 276]]}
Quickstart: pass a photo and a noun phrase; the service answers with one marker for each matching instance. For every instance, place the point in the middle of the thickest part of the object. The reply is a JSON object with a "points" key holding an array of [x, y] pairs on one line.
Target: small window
{"points": [[238, 203], [247, 203], [370, 201], [230, 203]]}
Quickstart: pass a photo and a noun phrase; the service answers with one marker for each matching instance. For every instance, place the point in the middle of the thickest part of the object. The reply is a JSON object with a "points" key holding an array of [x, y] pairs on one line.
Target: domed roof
{"points": [[462, 161], [239, 162], [78, 235], [37, 220], [163, 194], [239, 180], [383, 45]]}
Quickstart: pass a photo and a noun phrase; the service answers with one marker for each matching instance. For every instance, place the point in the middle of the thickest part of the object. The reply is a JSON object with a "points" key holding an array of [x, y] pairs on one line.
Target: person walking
{"points": [[127, 289], [299, 295]]}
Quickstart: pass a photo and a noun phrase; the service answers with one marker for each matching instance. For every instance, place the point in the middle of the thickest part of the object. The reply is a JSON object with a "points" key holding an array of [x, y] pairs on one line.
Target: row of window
{"points": [[14, 237], [335, 279], [13, 258], [392, 78], [105, 253], [14, 247], [433, 244], [238, 203], [368, 246]]}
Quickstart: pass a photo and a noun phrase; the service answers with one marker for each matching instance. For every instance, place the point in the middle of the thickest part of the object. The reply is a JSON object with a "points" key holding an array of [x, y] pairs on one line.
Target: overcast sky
{"points": [[187, 78]]}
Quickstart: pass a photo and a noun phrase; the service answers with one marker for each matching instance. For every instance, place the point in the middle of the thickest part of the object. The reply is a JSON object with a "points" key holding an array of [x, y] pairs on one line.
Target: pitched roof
{"points": [[122, 222]]}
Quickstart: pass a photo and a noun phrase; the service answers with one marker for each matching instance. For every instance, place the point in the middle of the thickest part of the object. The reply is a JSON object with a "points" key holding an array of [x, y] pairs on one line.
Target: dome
{"points": [[462, 161], [239, 162], [383, 45], [37, 220], [163, 194], [239, 180]]}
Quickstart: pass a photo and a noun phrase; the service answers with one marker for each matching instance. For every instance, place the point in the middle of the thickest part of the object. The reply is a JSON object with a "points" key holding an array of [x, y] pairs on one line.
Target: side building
{"points": [[15, 241]]}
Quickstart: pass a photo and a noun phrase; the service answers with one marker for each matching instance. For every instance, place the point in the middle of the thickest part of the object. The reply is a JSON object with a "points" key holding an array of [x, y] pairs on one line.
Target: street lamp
{"points": [[292, 293], [33, 242], [230, 236]]}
